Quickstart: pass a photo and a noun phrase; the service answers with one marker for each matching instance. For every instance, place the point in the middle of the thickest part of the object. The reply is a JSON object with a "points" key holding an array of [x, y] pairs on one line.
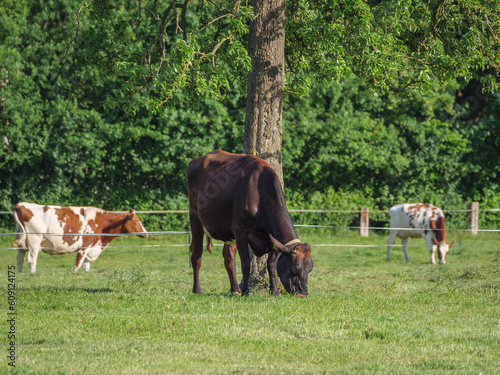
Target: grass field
{"points": [[134, 312]]}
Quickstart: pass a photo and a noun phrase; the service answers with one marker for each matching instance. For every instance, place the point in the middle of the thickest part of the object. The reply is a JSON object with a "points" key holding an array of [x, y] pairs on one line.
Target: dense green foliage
{"points": [[388, 147], [394, 44], [196, 48], [168, 51], [134, 313], [345, 145]]}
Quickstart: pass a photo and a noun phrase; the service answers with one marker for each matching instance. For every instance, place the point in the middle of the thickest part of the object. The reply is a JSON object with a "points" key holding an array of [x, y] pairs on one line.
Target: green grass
{"points": [[134, 312]]}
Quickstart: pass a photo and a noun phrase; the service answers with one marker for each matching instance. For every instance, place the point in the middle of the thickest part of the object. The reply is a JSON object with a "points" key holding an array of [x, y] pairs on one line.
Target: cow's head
{"points": [[132, 224], [293, 266], [443, 249]]}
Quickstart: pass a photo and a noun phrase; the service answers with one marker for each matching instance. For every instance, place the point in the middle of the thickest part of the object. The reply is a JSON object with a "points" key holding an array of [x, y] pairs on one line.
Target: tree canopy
{"points": [[200, 47]]}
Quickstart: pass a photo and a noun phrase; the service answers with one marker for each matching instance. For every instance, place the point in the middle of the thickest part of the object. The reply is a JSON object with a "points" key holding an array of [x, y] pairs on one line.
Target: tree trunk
{"points": [[266, 84]]}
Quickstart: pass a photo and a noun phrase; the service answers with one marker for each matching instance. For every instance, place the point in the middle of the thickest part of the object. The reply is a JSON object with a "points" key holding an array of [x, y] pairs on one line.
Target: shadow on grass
{"points": [[58, 288], [216, 294]]}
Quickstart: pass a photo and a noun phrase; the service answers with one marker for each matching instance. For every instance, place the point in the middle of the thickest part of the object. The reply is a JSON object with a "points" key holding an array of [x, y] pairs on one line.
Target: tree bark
{"points": [[266, 82]]}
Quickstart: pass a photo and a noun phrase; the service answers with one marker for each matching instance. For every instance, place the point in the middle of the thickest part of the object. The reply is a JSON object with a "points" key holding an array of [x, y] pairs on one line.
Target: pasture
{"points": [[134, 312]]}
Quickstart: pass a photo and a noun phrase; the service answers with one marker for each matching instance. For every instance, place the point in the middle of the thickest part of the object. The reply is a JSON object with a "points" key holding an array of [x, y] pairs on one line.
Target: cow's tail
{"points": [[210, 246], [20, 231]]}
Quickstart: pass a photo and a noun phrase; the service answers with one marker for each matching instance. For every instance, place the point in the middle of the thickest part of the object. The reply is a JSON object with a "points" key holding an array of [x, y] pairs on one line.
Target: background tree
{"points": [[266, 85], [200, 47]]}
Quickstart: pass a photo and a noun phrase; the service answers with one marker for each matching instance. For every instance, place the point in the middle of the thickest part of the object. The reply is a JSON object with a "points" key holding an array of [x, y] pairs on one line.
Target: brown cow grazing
{"points": [[239, 197], [57, 230]]}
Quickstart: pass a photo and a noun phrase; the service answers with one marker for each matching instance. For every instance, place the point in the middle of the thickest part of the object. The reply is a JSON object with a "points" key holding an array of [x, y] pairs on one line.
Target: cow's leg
{"points": [[91, 253], [390, 242], [80, 259], [20, 259], [86, 264], [271, 268], [229, 253], [433, 252], [432, 248], [196, 250], [246, 264], [404, 244], [34, 245]]}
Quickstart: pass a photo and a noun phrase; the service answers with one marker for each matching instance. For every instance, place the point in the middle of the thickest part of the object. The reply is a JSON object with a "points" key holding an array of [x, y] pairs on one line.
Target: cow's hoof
{"points": [[235, 290], [197, 290]]}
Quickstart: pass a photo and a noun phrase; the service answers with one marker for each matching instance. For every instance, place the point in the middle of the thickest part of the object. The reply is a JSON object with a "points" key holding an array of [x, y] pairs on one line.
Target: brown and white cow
{"points": [[422, 220], [58, 230], [239, 197]]}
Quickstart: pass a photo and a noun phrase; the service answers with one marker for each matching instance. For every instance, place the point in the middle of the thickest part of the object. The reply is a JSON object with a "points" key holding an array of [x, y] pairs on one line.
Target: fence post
{"points": [[364, 221], [474, 217]]}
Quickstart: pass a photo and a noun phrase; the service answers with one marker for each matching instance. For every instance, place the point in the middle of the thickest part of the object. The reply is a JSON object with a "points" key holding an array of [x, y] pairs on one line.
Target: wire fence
{"points": [[363, 213], [292, 211]]}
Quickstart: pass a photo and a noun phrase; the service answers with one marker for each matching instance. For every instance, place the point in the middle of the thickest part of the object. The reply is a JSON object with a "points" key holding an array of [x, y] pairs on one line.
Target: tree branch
{"points": [[215, 49], [231, 15]]}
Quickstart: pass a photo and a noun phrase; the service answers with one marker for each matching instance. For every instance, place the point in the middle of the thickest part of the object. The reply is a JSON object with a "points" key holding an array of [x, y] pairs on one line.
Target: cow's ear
{"points": [[131, 214], [307, 250], [451, 244], [132, 211], [279, 246]]}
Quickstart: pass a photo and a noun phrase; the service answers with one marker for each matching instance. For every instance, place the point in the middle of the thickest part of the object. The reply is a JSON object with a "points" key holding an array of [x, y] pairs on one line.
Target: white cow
{"points": [[56, 229], [419, 220]]}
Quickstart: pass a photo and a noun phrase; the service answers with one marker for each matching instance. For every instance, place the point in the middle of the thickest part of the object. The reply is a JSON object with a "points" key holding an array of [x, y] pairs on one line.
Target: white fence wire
{"points": [[292, 210], [166, 212]]}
